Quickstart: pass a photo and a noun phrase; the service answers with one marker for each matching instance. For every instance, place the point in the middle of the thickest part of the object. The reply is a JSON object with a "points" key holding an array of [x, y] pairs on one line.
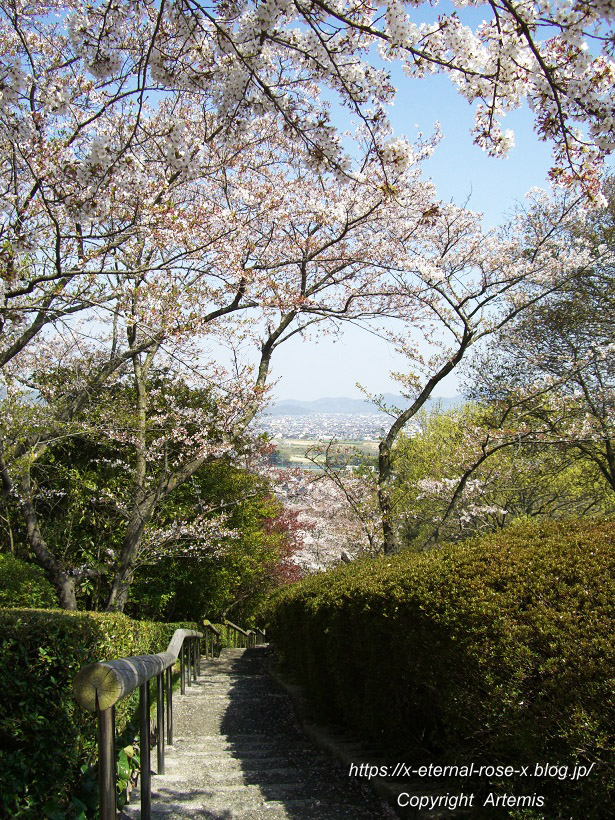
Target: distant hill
{"points": [[342, 404]]}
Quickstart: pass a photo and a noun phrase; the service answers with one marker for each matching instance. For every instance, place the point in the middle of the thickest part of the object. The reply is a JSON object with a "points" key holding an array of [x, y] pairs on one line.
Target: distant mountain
{"points": [[342, 404]]}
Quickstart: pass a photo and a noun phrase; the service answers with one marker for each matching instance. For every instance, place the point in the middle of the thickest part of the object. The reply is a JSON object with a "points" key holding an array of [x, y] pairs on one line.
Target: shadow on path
{"points": [[264, 736]]}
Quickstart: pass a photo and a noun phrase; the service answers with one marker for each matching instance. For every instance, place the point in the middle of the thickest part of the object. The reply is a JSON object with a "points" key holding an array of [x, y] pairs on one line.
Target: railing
{"points": [[212, 640], [99, 686], [238, 637]]}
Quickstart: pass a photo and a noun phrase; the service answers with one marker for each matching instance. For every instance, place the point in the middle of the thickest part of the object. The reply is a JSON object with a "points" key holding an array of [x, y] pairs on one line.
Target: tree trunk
{"points": [[146, 502], [390, 543], [118, 597], [64, 584], [65, 587], [385, 474]]}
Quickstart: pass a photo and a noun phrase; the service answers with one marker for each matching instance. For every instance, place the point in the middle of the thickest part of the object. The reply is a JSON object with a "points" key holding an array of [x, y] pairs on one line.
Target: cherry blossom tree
{"points": [[105, 107], [306, 257], [252, 255], [470, 286], [156, 216], [331, 513], [553, 370], [70, 71]]}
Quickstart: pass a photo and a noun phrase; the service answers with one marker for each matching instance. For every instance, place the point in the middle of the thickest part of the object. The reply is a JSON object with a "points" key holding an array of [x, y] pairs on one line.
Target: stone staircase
{"points": [[239, 754]]}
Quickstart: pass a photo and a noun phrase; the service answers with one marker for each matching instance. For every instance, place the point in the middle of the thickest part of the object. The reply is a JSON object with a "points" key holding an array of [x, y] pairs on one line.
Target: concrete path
{"points": [[239, 754]]}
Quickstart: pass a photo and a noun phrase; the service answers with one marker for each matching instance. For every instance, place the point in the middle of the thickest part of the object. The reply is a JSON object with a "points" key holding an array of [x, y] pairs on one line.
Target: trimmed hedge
{"points": [[23, 584], [45, 737], [499, 650]]}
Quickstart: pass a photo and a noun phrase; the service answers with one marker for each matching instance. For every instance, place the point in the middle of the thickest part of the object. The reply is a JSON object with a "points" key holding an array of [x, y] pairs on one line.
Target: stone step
{"points": [[250, 807], [251, 763], [259, 777], [269, 810], [258, 756], [229, 774], [211, 744], [247, 741], [280, 782]]}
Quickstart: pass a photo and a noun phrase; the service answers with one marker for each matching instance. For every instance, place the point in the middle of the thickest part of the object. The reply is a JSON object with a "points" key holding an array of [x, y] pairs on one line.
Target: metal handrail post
{"points": [[146, 775], [160, 719], [169, 681], [106, 763], [182, 669]]}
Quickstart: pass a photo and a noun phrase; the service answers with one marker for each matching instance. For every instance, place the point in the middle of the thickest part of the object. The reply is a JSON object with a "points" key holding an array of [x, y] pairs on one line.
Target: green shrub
{"points": [[499, 650], [23, 584], [45, 737]]}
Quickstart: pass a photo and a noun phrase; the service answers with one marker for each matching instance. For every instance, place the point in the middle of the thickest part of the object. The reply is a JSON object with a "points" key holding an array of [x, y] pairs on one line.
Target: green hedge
{"points": [[499, 650], [23, 584], [45, 737]]}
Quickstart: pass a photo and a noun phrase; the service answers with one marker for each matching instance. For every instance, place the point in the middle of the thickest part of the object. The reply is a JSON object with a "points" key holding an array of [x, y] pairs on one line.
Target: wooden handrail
{"points": [[212, 647], [241, 637], [99, 686], [217, 631], [253, 636], [236, 628]]}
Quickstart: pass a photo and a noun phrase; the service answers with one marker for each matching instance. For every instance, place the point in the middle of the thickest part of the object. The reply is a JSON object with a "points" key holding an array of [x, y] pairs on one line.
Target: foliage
{"points": [[24, 585], [551, 373], [243, 568], [217, 537], [45, 737], [499, 649], [463, 474], [153, 195], [334, 512]]}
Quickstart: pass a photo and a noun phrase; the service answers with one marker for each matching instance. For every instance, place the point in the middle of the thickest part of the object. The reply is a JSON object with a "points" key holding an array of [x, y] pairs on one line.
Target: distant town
{"points": [[344, 419], [324, 426]]}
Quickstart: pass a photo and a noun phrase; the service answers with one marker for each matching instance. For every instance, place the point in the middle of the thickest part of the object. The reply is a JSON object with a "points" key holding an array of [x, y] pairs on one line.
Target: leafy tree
{"points": [[468, 288], [218, 526], [230, 580], [553, 372], [462, 475]]}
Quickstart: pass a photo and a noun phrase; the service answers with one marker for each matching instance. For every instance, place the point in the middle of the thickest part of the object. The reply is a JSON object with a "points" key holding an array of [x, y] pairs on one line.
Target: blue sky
{"points": [[326, 367]]}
